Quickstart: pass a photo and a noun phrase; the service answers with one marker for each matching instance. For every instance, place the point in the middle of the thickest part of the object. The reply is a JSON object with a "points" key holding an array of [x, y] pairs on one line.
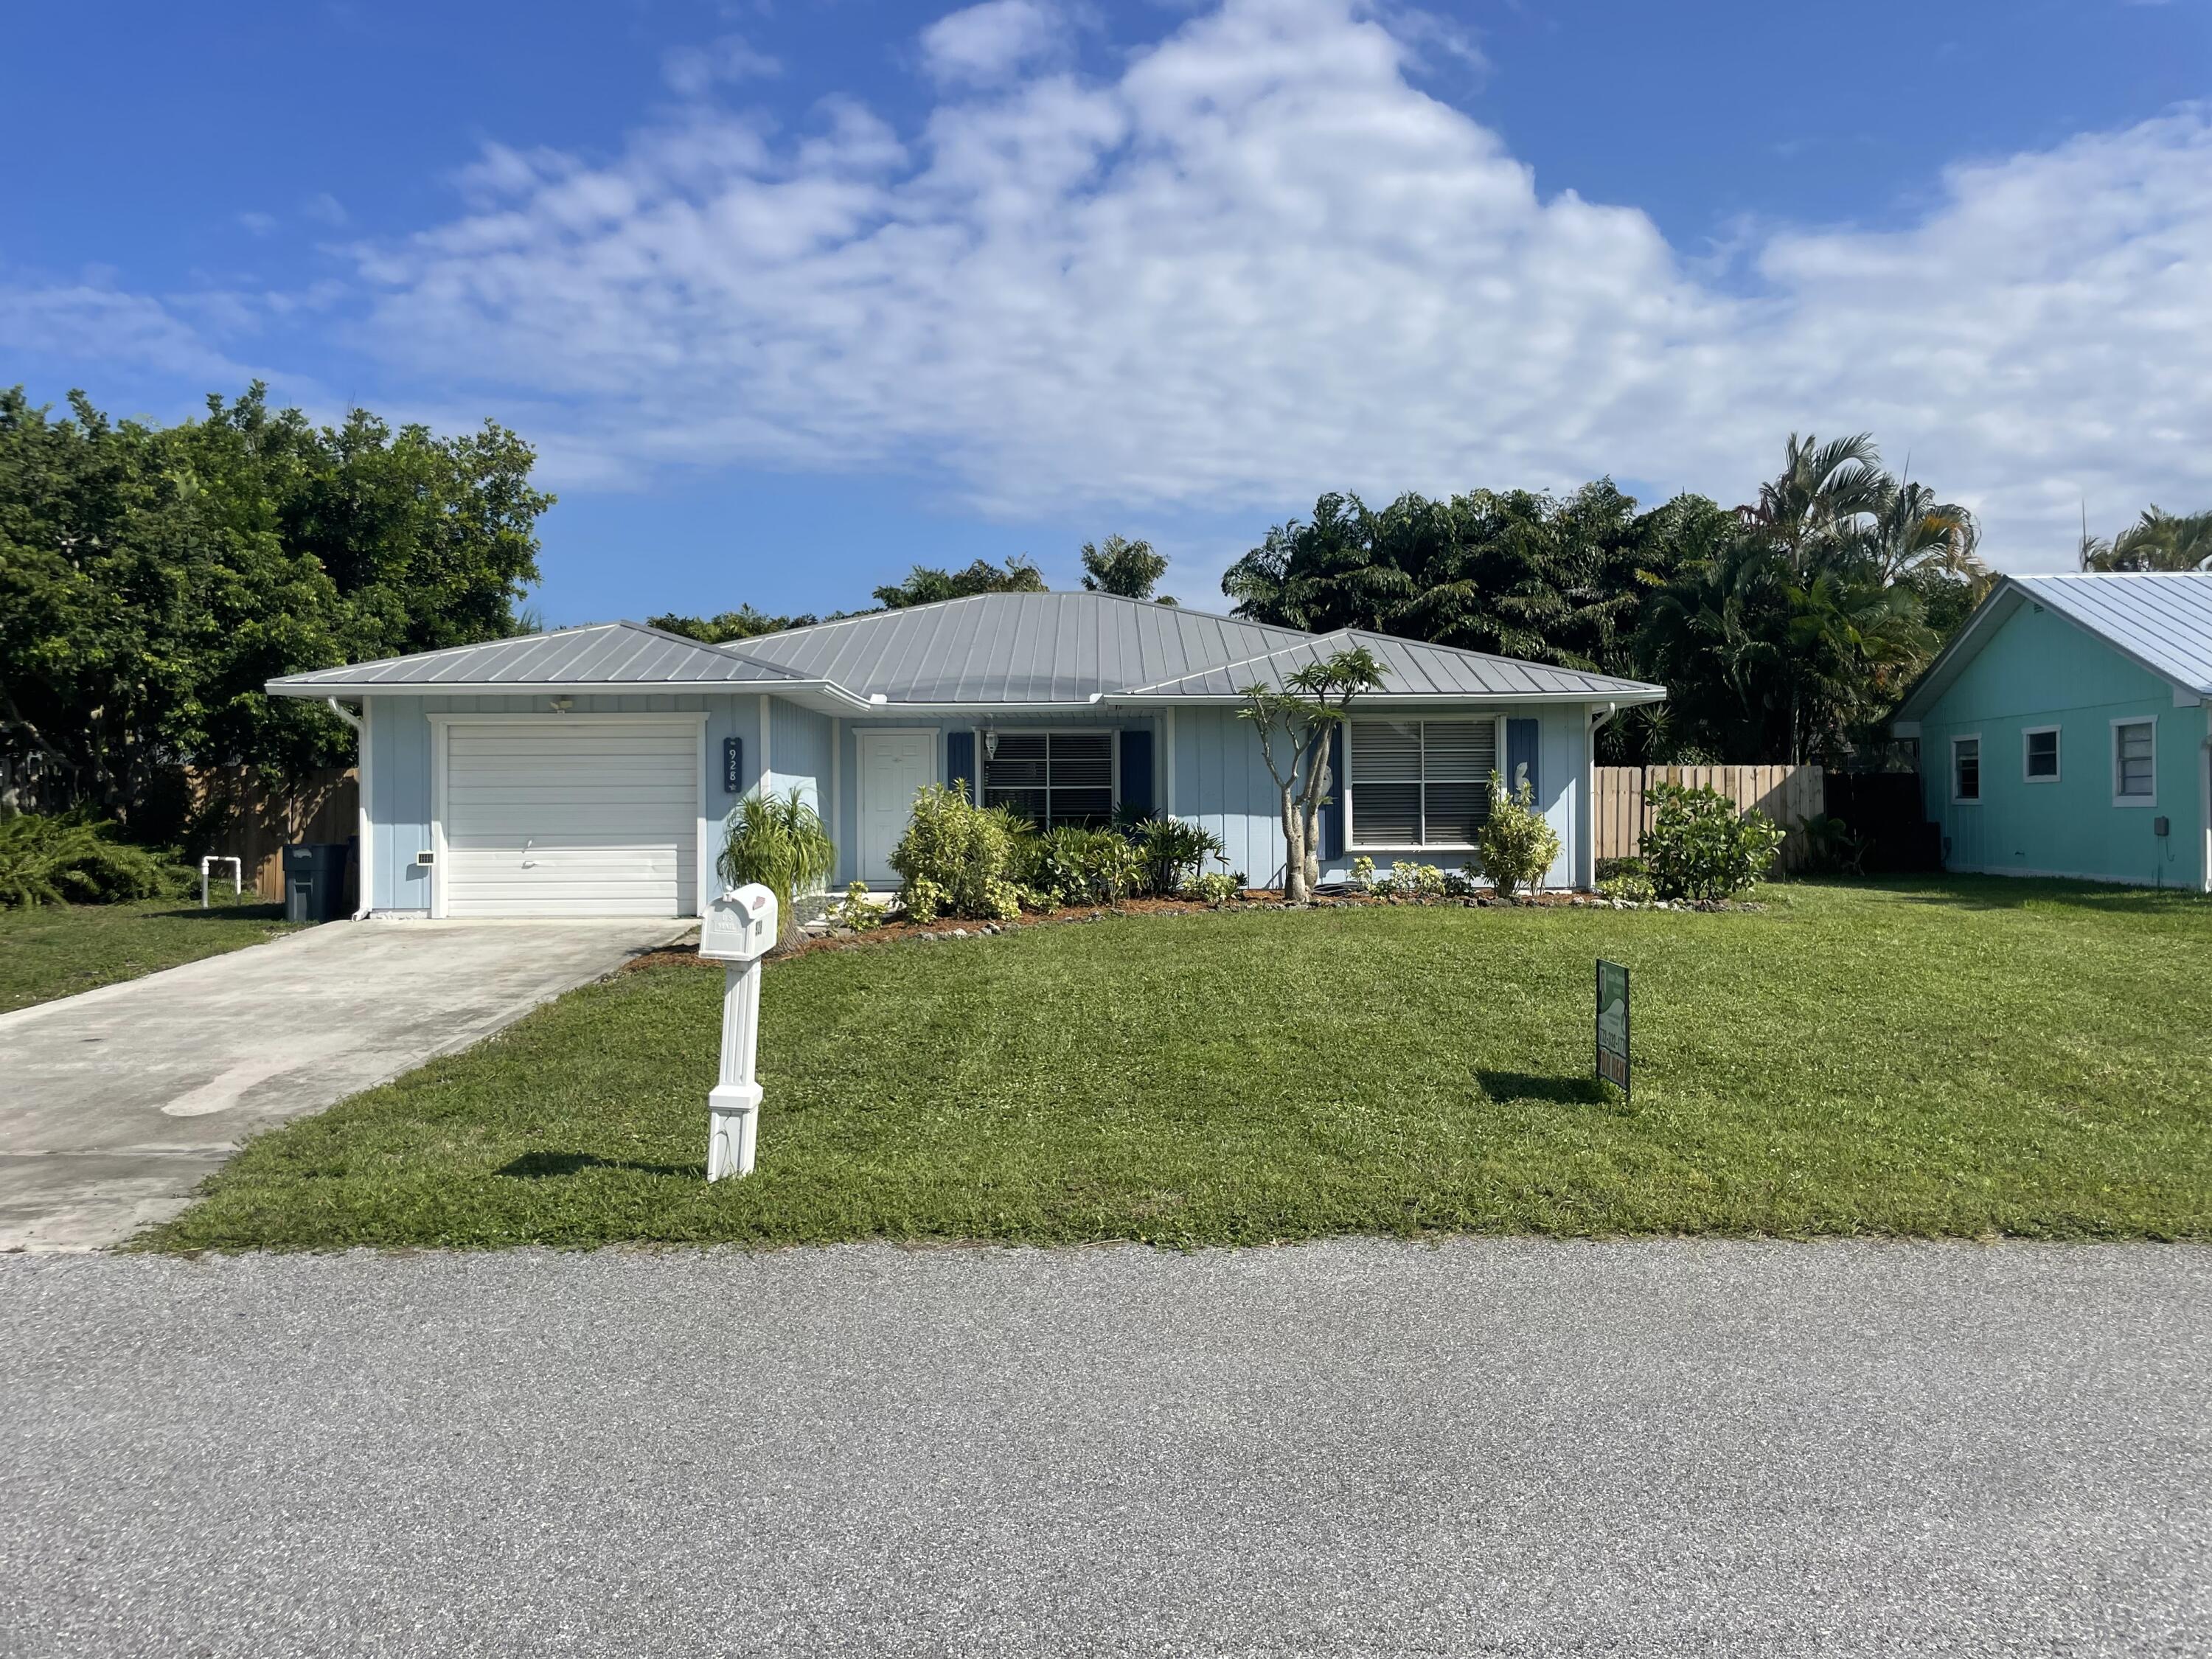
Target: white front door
{"points": [[893, 766]]}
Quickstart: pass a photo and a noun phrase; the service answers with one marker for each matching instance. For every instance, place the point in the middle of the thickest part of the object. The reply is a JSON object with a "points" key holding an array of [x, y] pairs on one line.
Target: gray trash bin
{"points": [[314, 881]]}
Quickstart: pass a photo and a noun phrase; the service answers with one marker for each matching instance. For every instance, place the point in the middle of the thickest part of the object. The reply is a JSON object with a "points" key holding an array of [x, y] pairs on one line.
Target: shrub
{"points": [[1363, 872], [855, 912], [1698, 847], [778, 840], [1076, 866], [70, 859], [956, 859], [1608, 868], [1170, 852], [1215, 889], [1460, 883], [1835, 849], [1515, 845], [924, 900], [1632, 887], [1417, 881]]}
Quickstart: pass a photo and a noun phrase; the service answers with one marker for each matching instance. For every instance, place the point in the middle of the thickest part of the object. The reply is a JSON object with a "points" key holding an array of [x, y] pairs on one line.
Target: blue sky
{"points": [[792, 296]]}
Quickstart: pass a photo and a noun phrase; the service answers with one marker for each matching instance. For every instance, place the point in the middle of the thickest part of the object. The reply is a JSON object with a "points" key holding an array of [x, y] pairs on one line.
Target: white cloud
{"points": [[325, 208], [1257, 263], [988, 43], [1260, 263], [694, 71], [88, 322], [257, 223]]}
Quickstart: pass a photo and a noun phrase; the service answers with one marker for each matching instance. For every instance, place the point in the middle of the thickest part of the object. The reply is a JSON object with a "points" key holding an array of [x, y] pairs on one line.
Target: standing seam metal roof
{"points": [[989, 649]]}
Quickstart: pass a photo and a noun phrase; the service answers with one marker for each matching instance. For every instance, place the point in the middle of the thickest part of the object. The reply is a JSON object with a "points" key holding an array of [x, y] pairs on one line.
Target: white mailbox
{"points": [[740, 926], [736, 930]]}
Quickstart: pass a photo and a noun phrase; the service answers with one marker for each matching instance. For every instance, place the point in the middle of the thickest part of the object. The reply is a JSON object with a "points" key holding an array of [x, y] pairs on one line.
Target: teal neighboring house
{"points": [[2067, 731]]}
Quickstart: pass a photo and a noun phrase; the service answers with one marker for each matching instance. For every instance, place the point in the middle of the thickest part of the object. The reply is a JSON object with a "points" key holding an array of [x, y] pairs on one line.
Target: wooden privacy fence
{"points": [[1788, 795], [245, 820]]}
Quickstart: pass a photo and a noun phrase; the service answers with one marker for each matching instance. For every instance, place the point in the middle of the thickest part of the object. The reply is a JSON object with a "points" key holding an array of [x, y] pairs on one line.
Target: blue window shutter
{"points": [[1331, 815], [1137, 771], [1520, 751], [960, 763]]}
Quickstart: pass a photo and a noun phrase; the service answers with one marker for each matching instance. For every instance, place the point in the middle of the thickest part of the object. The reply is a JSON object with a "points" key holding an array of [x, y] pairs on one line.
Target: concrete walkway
{"points": [[116, 1103], [1480, 1447]]}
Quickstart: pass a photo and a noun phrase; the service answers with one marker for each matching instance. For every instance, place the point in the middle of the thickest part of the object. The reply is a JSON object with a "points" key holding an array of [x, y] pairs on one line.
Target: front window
{"points": [[1419, 783], [2135, 761], [1051, 777], [1965, 768]]}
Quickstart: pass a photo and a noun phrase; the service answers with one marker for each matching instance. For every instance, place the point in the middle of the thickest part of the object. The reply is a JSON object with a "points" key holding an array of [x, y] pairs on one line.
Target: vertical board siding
{"points": [[1787, 794], [1222, 782]]}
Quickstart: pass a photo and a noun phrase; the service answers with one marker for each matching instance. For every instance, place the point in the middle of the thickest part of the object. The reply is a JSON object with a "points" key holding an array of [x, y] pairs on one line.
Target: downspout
{"points": [[360, 793], [1587, 874]]}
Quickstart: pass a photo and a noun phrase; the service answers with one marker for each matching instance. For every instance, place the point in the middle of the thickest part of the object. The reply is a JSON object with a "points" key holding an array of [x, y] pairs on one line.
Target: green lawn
{"points": [[64, 949], [1977, 1058]]}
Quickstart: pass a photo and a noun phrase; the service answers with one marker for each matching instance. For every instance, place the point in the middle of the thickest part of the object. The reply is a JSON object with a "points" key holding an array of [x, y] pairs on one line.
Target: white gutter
{"points": [[360, 724]]}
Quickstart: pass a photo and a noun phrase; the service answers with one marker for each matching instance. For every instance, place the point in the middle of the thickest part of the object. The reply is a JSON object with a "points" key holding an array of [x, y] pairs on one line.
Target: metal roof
{"points": [[1411, 669], [1032, 650], [2161, 619], [617, 653], [1014, 647]]}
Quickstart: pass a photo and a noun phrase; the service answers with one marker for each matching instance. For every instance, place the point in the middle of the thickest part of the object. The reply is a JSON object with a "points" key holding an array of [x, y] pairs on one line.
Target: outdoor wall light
{"points": [[990, 744], [563, 705]]}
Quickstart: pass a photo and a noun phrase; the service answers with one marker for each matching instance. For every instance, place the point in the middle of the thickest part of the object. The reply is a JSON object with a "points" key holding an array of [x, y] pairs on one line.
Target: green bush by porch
{"points": [[1981, 1057]]}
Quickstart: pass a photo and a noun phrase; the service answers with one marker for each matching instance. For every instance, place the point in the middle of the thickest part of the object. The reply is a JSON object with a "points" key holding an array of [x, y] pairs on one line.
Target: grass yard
{"points": [[61, 950], [1976, 1058]]}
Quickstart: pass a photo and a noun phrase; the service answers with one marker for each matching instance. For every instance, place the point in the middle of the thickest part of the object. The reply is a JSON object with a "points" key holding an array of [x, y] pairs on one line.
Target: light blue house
{"points": [[2064, 731], [586, 772]]}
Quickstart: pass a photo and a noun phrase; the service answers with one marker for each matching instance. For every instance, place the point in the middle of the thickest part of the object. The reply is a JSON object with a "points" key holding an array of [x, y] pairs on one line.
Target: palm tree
{"points": [[2158, 541], [1822, 494]]}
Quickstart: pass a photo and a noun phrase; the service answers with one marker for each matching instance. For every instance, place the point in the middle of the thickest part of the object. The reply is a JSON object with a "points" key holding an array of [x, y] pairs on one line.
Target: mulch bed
{"points": [[1259, 899]]}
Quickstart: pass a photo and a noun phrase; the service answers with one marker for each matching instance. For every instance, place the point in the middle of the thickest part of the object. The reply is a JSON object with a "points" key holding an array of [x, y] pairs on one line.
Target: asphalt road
{"points": [[1354, 1448]]}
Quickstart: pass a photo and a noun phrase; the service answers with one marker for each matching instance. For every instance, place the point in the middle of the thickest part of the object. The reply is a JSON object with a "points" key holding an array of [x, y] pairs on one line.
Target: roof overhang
{"points": [[824, 696], [1624, 698]]}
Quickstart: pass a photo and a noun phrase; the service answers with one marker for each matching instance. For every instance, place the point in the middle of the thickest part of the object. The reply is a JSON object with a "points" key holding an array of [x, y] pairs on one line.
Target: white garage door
{"points": [[571, 817]]}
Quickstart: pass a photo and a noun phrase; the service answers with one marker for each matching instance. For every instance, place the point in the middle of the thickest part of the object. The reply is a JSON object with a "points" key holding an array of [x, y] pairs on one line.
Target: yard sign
{"points": [[1613, 1023]]}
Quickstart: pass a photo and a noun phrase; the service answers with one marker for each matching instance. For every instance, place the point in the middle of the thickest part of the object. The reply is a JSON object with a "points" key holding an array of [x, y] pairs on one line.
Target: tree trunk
{"points": [[1296, 887]]}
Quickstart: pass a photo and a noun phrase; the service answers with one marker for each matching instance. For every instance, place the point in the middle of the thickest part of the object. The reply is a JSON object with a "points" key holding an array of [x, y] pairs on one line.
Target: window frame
{"points": [[1111, 734], [1347, 785], [1974, 800], [2119, 724], [2057, 753]]}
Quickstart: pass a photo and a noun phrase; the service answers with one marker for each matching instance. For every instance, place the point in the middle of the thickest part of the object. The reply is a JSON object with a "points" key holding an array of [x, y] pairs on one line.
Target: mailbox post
{"points": [[736, 930]]}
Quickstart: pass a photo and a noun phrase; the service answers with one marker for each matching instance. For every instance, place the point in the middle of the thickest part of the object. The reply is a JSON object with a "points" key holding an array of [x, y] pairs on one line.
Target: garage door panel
{"points": [[571, 820]]}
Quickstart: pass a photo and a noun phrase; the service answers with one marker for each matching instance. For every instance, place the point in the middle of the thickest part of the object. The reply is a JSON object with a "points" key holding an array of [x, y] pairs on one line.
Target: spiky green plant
{"points": [[780, 842]]}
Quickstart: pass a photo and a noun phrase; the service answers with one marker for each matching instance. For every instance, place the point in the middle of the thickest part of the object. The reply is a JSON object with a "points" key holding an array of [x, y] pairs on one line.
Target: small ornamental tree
{"points": [[1295, 725]]}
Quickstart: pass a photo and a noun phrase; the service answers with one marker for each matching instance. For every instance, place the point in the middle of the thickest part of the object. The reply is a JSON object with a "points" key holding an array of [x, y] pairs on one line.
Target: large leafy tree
{"points": [[926, 585], [1783, 628], [152, 577], [1557, 580], [743, 623]]}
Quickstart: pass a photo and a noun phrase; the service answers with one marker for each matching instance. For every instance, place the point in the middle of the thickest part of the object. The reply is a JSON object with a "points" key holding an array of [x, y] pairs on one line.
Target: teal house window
{"points": [[2134, 763], [2040, 746]]}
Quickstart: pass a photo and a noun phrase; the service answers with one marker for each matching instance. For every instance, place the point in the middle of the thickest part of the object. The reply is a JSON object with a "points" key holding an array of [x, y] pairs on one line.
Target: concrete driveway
{"points": [[115, 1104], [1481, 1447]]}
